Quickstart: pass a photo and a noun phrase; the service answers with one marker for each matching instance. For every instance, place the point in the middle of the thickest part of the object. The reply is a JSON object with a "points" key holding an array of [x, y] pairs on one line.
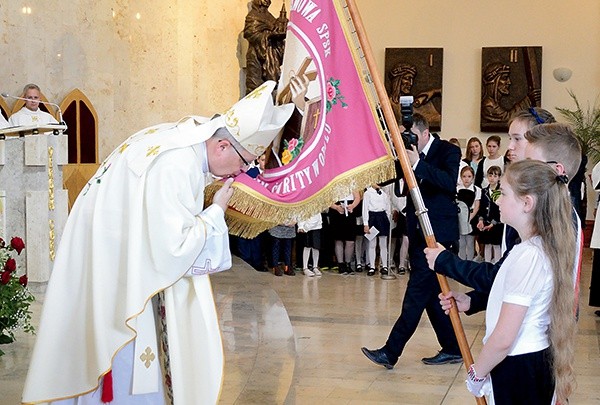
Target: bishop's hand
{"points": [[222, 196]]}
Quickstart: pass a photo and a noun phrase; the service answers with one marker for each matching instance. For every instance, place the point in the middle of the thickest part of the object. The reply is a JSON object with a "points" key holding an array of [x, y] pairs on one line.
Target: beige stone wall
{"points": [[140, 62], [181, 56], [568, 32]]}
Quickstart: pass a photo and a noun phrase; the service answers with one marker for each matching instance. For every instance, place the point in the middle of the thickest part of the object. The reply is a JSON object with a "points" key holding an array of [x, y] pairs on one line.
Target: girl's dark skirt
{"points": [[524, 379], [313, 239], [380, 221], [342, 227]]}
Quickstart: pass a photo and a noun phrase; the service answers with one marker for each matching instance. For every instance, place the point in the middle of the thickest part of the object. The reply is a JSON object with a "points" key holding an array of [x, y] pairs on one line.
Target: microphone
{"points": [[6, 95]]}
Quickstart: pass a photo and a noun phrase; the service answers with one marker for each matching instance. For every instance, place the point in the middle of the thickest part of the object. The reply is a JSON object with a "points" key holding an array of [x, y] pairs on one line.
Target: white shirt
{"points": [[25, 117], [375, 202], [424, 151], [313, 223], [525, 278]]}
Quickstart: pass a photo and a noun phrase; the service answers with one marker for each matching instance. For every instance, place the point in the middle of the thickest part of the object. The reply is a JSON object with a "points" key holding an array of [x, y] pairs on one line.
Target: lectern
{"points": [[33, 204]]}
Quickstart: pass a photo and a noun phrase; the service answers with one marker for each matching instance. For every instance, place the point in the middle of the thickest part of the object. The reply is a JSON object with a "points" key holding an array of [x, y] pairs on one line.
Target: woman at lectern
{"points": [[31, 114]]}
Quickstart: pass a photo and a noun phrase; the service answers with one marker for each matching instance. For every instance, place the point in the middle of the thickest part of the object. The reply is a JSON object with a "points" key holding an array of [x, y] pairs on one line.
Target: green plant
{"points": [[586, 125], [15, 297]]}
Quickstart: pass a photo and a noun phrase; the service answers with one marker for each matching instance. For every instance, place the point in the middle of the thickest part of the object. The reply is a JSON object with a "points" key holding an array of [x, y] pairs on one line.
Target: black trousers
{"points": [[524, 379], [421, 295], [595, 281]]}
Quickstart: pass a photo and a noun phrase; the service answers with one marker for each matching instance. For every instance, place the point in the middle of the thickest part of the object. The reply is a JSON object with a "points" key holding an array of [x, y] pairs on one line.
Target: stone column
{"points": [[34, 204]]}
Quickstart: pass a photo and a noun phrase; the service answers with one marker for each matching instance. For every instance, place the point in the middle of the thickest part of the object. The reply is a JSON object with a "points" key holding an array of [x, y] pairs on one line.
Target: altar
{"points": [[33, 204]]}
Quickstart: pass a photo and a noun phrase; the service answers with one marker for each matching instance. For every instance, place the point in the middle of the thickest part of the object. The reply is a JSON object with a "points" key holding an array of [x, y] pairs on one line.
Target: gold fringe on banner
{"points": [[254, 213]]}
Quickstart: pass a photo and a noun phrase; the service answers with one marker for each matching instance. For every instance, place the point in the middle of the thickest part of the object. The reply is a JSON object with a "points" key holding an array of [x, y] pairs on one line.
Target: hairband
{"points": [[562, 178], [536, 116]]}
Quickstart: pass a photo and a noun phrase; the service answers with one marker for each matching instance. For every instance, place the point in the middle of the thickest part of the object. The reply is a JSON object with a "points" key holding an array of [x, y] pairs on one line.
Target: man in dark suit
{"points": [[435, 163]]}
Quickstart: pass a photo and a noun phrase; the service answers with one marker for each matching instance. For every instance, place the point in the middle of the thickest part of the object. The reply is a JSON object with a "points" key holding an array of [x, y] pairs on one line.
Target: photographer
{"points": [[435, 163]]}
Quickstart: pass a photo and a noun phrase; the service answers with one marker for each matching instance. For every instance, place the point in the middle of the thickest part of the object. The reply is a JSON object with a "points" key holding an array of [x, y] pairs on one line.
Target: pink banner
{"points": [[334, 143]]}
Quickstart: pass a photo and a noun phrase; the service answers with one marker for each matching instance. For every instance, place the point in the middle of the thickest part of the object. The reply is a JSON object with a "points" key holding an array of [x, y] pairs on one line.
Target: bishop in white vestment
{"points": [[135, 231]]}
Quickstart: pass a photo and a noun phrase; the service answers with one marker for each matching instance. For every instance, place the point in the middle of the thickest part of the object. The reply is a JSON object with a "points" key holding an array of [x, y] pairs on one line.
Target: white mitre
{"points": [[254, 121]]}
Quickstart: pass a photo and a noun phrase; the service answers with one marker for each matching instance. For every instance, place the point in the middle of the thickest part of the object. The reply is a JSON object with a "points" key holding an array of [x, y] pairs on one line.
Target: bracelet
{"points": [[473, 375]]}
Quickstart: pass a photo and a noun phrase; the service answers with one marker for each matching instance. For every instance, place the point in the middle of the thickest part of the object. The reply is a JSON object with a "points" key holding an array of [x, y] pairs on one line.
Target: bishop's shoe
{"points": [[379, 356]]}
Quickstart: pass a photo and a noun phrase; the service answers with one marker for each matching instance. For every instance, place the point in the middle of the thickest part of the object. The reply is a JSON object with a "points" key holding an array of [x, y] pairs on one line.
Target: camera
{"points": [[406, 114]]}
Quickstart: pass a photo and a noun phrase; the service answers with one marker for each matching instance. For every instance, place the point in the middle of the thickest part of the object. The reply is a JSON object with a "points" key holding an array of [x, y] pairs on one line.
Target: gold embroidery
{"points": [[51, 237], [152, 150], [123, 147], [257, 92], [50, 178], [147, 357], [150, 131], [232, 121]]}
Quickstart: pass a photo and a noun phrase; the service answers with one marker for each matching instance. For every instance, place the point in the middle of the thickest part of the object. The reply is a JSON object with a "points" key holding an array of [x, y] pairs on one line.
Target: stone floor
{"points": [[296, 340]]}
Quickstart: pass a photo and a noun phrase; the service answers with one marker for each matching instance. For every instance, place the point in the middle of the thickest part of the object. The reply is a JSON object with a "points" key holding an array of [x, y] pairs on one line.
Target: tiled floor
{"points": [[296, 340]]}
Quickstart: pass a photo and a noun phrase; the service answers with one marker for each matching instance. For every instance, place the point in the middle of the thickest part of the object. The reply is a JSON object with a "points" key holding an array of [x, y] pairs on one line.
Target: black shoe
{"points": [[384, 271], [359, 268], [378, 356], [371, 271], [402, 271], [442, 358], [597, 313], [349, 268]]}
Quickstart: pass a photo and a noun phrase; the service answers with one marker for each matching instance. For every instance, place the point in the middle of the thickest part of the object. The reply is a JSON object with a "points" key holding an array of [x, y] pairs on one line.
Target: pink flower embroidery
{"points": [[292, 144], [330, 91], [334, 95]]}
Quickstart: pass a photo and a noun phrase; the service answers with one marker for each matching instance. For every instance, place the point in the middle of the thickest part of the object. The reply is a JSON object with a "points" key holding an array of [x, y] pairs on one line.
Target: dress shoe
{"points": [[277, 271], [378, 356], [371, 272], [384, 271], [402, 271], [288, 271], [442, 358]]}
